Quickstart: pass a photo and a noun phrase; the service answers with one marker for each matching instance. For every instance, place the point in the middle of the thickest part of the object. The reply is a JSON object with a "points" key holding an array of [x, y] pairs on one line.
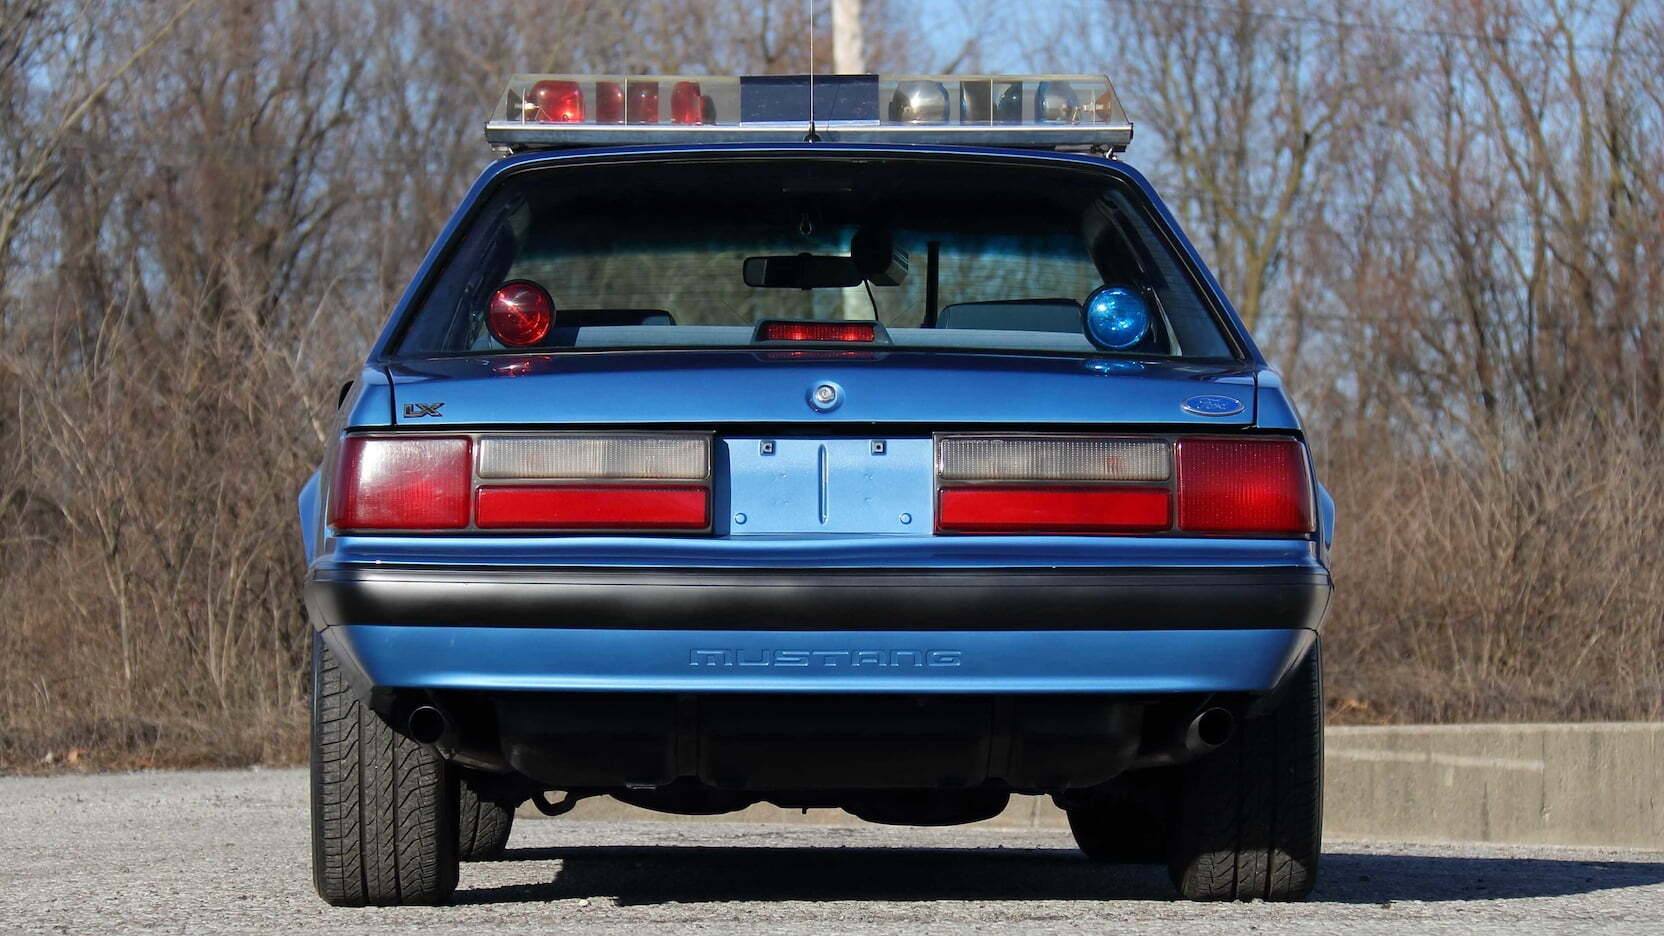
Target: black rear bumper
{"points": [[822, 599]]}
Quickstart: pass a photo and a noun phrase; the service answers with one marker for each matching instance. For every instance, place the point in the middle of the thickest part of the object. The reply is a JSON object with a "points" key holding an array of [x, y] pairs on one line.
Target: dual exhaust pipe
{"points": [[426, 724], [1206, 731], [1210, 728]]}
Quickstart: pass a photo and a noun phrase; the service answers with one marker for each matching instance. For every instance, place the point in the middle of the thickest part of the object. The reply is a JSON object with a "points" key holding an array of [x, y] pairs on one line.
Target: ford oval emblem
{"points": [[1211, 405]]}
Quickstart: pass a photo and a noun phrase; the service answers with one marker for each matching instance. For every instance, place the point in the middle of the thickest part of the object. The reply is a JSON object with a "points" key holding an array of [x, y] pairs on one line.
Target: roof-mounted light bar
{"points": [[545, 111]]}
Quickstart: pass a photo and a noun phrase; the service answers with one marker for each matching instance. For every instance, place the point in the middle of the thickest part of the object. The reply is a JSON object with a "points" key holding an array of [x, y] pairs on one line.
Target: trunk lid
{"points": [[927, 389]]}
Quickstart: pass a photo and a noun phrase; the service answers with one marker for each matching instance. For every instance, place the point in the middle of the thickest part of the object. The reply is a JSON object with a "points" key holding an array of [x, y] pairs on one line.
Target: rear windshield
{"points": [[956, 254]]}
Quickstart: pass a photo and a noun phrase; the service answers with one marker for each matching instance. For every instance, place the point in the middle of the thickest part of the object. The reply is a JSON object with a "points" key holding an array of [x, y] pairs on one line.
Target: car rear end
{"points": [[883, 477]]}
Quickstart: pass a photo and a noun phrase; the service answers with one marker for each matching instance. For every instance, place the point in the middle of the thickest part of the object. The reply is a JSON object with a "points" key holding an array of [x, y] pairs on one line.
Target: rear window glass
{"points": [[695, 254]]}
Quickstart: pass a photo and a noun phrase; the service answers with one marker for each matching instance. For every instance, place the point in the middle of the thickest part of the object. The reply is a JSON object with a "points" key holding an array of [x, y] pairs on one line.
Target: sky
{"points": [[945, 21]]}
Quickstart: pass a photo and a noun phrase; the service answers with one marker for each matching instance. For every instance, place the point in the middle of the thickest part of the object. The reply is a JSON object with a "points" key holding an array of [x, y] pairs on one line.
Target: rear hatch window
{"points": [[954, 254]]}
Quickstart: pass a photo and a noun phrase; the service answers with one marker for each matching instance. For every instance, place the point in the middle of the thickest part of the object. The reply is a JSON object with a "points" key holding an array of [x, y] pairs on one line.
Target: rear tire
{"points": [[1249, 822], [1128, 823], [383, 807], [482, 826]]}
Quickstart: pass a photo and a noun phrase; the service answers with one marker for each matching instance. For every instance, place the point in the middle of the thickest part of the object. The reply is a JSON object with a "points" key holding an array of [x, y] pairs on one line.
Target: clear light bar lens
{"points": [[977, 458], [620, 458], [993, 100]]}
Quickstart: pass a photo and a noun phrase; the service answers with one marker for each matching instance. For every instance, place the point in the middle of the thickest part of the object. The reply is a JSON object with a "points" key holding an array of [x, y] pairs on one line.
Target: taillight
{"points": [[1105, 484], [571, 482], [556, 102], [1072, 509], [519, 314], [817, 331], [633, 507], [1244, 486], [595, 482], [1029, 484], [416, 483], [595, 457], [1052, 458], [687, 105]]}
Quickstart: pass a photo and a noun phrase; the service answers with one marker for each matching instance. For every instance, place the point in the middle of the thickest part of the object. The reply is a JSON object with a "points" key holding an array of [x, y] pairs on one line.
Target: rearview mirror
{"points": [[801, 271]]}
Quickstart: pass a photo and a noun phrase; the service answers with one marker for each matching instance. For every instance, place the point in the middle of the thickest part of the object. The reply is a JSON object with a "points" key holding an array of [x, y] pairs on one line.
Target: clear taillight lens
{"points": [[974, 458], [596, 457], [417, 483]]}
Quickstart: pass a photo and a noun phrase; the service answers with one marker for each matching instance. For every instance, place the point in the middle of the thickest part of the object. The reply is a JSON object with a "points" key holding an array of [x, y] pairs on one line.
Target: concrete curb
{"points": [[1600, 784], [1594, 784]]}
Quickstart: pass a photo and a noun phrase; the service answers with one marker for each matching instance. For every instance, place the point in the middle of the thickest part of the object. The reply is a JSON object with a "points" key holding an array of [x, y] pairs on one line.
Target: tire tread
{"points": [[1250, 816], [383, 806], [483, 824]]}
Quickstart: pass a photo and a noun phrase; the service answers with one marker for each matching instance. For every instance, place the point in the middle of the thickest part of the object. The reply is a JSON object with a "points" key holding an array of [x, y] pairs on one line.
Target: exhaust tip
{"points": [[1212, 728], [426, 724]]}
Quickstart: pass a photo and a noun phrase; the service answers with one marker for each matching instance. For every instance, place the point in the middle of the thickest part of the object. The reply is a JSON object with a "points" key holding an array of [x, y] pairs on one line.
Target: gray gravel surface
{"points": [[228, 852]]}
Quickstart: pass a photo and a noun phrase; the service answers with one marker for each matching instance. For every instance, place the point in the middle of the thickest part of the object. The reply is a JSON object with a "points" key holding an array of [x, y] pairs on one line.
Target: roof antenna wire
{"points": [[813, 137]]}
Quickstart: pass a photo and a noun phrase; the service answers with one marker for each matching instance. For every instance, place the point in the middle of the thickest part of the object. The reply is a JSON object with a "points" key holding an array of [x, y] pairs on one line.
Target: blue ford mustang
{"points": [[897, 456]]}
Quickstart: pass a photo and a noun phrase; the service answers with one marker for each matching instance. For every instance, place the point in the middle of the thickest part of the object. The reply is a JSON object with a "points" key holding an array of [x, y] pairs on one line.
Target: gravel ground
{"points": [[228, 852]]}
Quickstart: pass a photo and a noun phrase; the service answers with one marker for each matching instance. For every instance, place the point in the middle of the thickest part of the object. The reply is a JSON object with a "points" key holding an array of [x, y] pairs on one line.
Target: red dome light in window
{"points": [[520, 314]]}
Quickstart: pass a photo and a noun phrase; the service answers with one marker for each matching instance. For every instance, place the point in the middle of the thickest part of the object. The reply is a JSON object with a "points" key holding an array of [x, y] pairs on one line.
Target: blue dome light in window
{"points": [[1116, 317]]}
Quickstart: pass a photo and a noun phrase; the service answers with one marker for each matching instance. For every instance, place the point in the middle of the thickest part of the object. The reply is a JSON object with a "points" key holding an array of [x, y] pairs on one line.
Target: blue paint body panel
{"points": [[369, 404], [707, 387], [1273, 408], [547, 659], [308, 503], [823, 499]]}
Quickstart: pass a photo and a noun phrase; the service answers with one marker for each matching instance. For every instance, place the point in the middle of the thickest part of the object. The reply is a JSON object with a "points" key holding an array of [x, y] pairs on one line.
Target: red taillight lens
{"points": [[632, 507], [519, 314], [687, 106], [419, 483], [817, 331], [1058, 509], [609, 102], [1244, 486], [644, 102], [556, 102]]}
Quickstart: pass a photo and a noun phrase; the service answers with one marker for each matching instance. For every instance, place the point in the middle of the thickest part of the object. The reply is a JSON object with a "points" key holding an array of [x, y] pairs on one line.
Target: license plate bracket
{"points": [[846, 485]]}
